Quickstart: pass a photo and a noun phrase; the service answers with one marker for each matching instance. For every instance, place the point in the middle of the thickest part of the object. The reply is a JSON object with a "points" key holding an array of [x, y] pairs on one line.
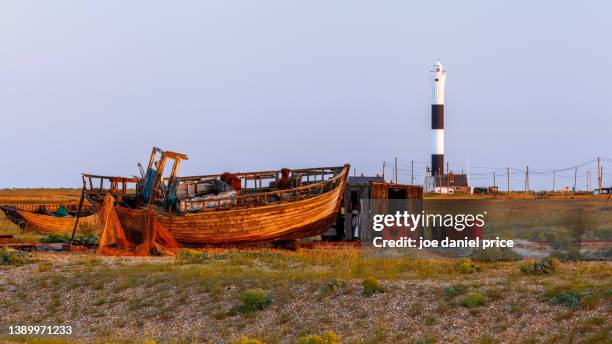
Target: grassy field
{"points": [[210, 298], [317, 295], [533, 219], [66, 195]]}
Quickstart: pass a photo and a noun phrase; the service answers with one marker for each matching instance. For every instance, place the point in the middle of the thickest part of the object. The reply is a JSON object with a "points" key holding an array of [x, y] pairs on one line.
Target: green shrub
{"points": [[53, 238], [577, 293], [568, 299], [329, 337], [332, 285], [11, 257], [254, 300], [473, 300], [547, 265], [371, 286], [187, 256], [455, 290], [466, 266], [87, 238]]}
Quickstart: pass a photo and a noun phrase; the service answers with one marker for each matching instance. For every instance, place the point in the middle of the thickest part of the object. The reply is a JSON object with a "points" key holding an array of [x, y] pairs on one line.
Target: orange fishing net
{"points": [[114, 241]]}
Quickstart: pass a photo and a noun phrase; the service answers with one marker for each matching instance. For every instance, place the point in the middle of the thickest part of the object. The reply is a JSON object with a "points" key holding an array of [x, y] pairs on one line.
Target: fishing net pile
{"points": [[156, 240]]}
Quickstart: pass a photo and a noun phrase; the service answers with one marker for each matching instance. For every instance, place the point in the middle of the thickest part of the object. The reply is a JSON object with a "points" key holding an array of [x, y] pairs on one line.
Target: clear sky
{"points": [[91, 86]]}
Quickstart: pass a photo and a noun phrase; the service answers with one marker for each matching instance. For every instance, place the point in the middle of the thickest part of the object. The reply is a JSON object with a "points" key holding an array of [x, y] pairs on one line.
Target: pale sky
{"points": [[91, 86]]}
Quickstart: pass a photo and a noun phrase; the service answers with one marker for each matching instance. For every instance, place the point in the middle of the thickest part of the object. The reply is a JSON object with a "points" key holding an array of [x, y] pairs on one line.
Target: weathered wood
{"points": [[260, 217], [78, 213], [49, 224]]}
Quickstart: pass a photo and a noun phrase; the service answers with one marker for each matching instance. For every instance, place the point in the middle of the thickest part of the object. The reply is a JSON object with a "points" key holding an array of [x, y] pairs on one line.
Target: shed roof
{"points": [[451, 179], [363, 180]]}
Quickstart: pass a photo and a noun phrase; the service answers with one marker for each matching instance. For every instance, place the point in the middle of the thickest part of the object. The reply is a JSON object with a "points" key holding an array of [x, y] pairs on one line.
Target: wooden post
{"points": [[575, 176], [383, 173], [78, 214], [589, 180], [348, 221], [426, 178], [526, 179], [598, 176], [395, 170], [508, 173], [412, 173], [588, 174]]}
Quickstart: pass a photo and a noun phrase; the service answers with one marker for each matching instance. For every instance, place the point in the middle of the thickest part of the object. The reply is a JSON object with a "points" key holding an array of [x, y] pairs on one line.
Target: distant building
{"points": [[485, 190], [451, 183]]}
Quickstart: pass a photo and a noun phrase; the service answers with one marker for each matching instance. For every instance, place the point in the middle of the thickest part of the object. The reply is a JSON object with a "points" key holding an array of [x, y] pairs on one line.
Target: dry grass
{"points": [[540, 219], [123, 298], [67, 195]]}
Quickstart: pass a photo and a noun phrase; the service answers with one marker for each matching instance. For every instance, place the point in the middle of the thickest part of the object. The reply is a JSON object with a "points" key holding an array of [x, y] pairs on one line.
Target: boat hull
{"points": [[284, 221], [46, 224]]}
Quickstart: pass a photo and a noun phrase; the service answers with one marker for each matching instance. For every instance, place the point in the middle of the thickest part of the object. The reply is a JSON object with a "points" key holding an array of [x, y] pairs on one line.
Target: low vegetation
{"points": [[12, 257], [495, 254], [275, 296], [188, 256], [577, 293], [255, 299], [328, 337], [247, 340], [547, 265], [87, 238], [466, 266], [473, 300], [455, 290], [333, 285], [371, 286]]}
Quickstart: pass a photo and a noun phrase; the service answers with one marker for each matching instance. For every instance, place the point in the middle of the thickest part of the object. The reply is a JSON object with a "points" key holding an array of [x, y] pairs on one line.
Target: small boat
{"points": [[264, 206], [45, 218]]}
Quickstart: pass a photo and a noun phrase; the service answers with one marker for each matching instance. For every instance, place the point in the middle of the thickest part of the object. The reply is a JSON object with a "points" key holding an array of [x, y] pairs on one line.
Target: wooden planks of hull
{"points": [[49, 224], [281, 221]]}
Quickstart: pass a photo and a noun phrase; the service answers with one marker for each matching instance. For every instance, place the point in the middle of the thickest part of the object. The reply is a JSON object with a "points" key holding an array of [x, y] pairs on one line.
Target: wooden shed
{"points": [[359, 189]]}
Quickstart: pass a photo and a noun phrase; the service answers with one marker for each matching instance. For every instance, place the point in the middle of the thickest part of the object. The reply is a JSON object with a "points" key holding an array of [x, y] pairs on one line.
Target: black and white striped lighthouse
{"points": [[437, 119]]}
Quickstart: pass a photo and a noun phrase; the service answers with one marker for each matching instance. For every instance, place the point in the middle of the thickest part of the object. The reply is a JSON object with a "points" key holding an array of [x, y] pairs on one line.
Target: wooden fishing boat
{"points": [[40, 217], [259, 211]]}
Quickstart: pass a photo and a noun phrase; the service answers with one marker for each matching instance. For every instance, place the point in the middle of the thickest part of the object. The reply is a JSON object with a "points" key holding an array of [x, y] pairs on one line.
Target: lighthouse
{"points": [[437, 119]]}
